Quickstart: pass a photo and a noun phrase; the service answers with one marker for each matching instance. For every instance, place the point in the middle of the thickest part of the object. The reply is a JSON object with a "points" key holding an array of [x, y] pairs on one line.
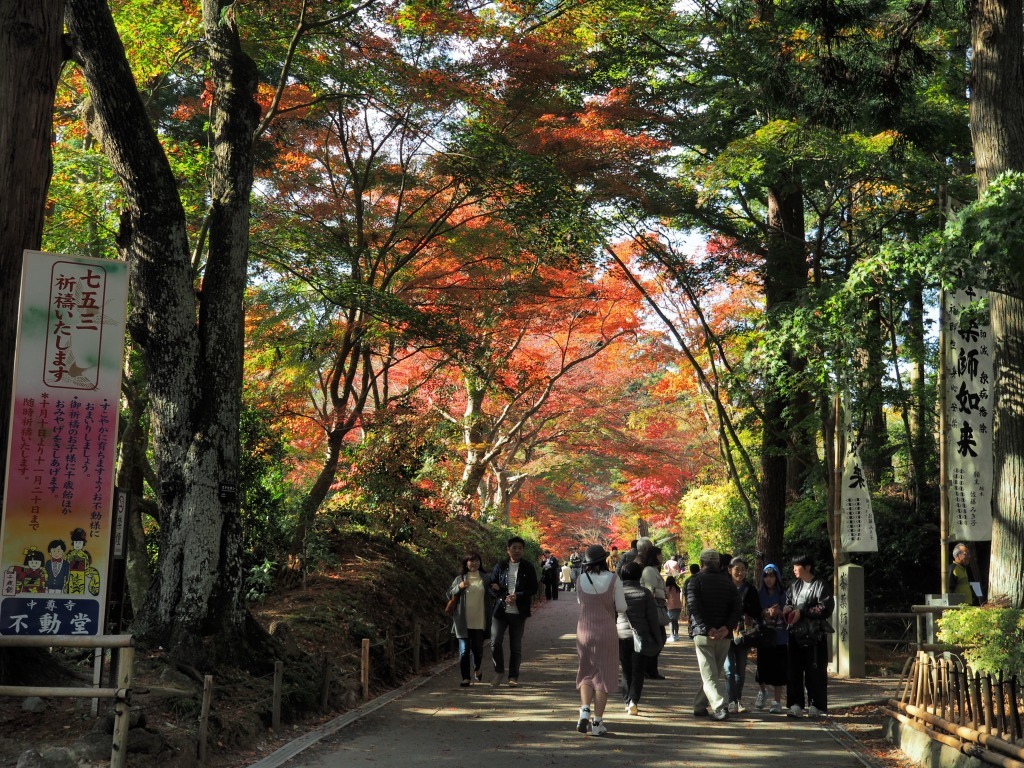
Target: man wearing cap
{"points": [[809, 601], [714, 606]]}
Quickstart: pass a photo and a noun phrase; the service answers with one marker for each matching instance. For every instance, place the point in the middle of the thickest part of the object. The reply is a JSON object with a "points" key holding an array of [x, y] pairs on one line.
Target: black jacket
{"points": [[813, 600], [713, 602], [750, 602], [642, 615], [524, 588]]}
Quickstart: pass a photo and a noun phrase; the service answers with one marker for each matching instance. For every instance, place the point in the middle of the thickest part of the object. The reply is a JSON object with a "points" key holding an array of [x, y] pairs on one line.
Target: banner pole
{"points": [[943, 458]]}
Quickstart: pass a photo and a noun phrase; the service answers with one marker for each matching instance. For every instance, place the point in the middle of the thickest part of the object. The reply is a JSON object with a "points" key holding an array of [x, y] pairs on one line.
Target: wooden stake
{"points": [[275, 716], [416, 633], [204, 716], [325, 685], [122, 708], [364, 668]]}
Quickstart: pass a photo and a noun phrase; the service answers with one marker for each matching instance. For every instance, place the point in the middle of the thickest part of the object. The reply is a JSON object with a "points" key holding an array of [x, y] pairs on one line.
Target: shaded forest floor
{"points": [[371, 589]]}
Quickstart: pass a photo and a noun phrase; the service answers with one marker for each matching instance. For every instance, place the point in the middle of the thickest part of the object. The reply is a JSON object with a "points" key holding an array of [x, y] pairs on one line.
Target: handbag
{"points": [[453, 601], [807, 632], [758, 636], [663, 618]]}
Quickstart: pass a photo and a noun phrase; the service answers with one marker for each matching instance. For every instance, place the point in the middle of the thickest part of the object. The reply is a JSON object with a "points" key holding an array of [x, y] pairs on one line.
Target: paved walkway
{"points": [[439, 723]]}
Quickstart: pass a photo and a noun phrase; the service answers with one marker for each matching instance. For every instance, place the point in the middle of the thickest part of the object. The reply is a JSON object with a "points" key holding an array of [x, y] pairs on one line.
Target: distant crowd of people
{"points": [[631, 605]]}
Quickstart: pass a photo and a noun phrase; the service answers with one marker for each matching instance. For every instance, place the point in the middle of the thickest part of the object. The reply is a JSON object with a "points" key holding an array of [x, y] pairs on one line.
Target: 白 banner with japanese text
{"points": [[55, 536], [858, 521], [968, 381]]}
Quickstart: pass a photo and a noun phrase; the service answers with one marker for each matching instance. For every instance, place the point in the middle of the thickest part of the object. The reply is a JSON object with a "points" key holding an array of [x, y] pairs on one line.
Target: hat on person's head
{"points": [[773, 568], [595, 554], [709, 556], [805, 560]]}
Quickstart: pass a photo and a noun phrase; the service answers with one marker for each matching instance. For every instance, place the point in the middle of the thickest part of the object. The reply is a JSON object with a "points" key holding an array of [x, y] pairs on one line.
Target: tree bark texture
{"points": [[1006, 569], [191, 342], [997, 132], [785, 276], [997, 95], [32, 53]]}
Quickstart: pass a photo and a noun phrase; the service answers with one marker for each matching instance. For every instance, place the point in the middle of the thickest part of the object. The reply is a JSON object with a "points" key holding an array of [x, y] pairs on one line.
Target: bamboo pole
{"points": [[204, 716], [122, 708], [986, 687], [1000, 707], [973, 735], [275, 712], [67, 641], [364, 668], [961, 697], [976, 701]]}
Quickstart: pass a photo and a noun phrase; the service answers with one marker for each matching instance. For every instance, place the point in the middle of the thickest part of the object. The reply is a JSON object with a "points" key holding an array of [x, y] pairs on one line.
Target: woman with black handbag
{"points": [[472, 616], [736, 661]]}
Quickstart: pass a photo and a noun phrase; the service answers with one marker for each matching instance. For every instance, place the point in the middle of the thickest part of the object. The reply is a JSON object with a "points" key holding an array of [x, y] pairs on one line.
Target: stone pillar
{"points": [[849, 637]]}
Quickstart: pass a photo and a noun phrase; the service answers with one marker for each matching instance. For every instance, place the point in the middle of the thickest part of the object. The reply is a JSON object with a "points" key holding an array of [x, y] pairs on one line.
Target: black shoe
{"points": [[700, 712], [464, 684], [720, 714], [656, 677], [476, 677]]}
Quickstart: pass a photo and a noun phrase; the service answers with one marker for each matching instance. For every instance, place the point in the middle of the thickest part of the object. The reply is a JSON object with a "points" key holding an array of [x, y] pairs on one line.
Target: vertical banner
{"points": [[968, 382], [858, 523], [55, 536]]}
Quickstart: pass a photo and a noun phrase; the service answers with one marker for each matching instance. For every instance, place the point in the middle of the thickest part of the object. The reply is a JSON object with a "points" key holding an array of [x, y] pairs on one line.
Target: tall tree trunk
{"points": [[474, 433], [920, 439], [785, 275], [32, 53], [997, 132], [876, 457], [131, 472], [191, 346]]}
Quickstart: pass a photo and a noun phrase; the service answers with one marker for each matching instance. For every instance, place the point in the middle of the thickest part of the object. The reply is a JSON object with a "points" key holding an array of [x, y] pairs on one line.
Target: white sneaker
{"points": [[597, 727], [775, 708], [740, 709], [759, 701], [671, 639], [795, 711], [732, 707], [813, 711], [632, 709], [584, 722]]}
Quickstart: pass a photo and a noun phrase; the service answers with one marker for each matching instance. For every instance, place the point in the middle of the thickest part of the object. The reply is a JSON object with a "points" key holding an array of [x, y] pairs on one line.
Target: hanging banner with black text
{"points": [[858, 521], [56, 532], [968, 382]]}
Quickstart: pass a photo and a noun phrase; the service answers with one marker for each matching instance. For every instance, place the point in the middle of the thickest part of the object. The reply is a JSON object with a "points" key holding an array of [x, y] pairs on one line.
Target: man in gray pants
{"points": [[714, 606]]}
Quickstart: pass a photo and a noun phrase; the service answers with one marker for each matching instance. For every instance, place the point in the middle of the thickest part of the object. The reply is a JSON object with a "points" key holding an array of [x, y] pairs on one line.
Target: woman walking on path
{"points": [[472, 620], [650, 558], [641, 617], [674, 603], [600, 595], [736, 662], [809, 603], [771, 660]]}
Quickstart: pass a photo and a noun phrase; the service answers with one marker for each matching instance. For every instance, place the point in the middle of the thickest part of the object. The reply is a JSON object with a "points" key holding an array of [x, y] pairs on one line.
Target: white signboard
{"points": [[968, 382]]}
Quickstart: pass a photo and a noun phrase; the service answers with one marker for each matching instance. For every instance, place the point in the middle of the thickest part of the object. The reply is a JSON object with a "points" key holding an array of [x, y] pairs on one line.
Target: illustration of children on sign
{"points": [[28, 577], [82, 576], [57, 570]]}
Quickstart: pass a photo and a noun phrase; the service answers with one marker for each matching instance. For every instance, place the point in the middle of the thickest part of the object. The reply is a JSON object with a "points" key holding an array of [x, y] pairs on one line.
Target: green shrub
{"points": [[992, 638]]}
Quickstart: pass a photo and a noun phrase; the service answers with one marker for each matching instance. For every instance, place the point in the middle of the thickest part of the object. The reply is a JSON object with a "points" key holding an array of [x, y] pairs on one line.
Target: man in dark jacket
{"points": [[714, 606], [514, 582]]}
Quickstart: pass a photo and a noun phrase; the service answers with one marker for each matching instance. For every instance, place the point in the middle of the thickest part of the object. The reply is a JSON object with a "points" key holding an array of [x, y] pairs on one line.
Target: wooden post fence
{"points": [[364, 668], [121, 694]]}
